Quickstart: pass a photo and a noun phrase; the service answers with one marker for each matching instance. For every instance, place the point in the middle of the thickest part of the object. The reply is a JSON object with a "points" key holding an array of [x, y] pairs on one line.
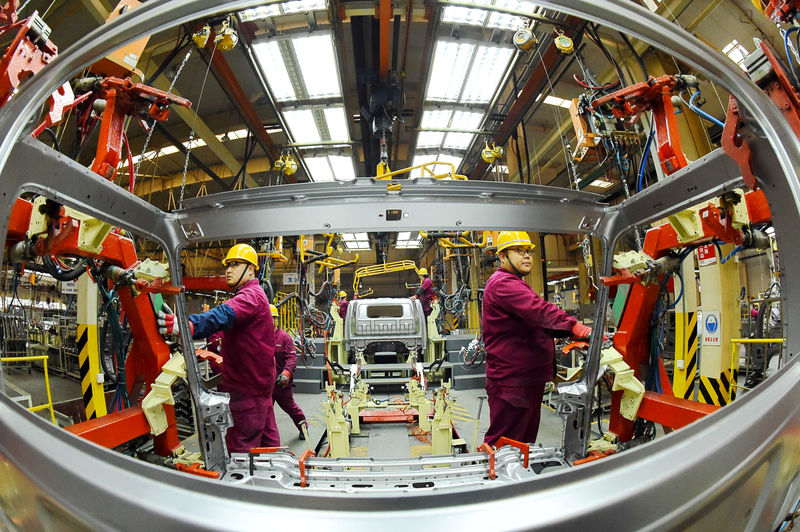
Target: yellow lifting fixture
{"points": [[380, 269], [456, 240], [428, 170], [331, 262]]}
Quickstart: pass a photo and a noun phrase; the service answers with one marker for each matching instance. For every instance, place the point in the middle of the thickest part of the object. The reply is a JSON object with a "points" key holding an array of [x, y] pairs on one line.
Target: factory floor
{"points": [[465, 411]]}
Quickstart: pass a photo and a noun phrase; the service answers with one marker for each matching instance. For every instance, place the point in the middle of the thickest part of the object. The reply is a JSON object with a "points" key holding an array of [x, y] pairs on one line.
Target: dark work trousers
{"points": [[284, 398], [253, 423], [514, 411]]}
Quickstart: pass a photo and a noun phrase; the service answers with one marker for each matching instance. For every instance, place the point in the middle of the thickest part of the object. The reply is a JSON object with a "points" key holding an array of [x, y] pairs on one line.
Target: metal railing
{"points": [[49, 403], [735, 358]]}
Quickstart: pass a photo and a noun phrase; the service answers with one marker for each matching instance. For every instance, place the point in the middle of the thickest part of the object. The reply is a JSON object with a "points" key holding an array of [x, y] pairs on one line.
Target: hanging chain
{"points": [[191, 133], [152, 127]]}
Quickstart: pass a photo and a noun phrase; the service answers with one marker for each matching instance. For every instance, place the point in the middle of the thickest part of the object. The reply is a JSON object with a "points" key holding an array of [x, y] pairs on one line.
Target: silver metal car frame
{"points": [[736, 468]]}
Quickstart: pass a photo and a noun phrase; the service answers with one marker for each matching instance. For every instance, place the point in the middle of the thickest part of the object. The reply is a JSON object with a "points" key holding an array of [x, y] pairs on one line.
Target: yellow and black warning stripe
{"points": [[683, 385], [93, 399], [720, 391]]}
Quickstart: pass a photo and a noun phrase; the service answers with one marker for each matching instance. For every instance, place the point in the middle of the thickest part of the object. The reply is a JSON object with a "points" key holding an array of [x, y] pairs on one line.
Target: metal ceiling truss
{"points": [[748, 460]]}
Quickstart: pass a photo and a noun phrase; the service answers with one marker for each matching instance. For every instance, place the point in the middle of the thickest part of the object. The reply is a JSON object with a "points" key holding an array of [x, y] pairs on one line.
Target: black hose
{"points": [[61, 274], [637, 56], [53, 137]]}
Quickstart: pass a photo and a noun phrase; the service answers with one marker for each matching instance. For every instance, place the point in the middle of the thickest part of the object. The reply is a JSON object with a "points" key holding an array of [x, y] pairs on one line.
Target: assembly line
{"points": [[451, 338]]}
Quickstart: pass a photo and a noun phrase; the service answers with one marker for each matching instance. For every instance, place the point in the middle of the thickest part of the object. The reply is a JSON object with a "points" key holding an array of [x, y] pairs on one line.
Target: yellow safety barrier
{"points": [[460, 242], [49, 403], [289, 314], [427, 171], [735, 359]]}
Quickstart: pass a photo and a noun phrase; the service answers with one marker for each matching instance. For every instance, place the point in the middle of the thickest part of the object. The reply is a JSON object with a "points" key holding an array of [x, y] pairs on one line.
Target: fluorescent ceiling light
{"points": [[301, 6], [330, 168], [319, 168], [285, 8], [268, 55], [509, 22], [405, 241], [430, 139], [436, 118], [337, 124], [559, 102], [465, 15], [450, 63], [486, 73], [317, 65], [302, 126], [342, 166], [462, 120], [260, 12]]}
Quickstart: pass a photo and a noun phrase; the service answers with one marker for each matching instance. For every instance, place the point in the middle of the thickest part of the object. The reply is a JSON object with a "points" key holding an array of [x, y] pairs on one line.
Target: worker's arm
{"points": [[529, 307], [220, 318], [290, 360]]}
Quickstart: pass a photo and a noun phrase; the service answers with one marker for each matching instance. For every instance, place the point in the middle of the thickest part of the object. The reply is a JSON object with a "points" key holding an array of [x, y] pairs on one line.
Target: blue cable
{"points": [[786, 47], [644, 157], [784, 525], [680, 294], [733, 252], [702, 113]]}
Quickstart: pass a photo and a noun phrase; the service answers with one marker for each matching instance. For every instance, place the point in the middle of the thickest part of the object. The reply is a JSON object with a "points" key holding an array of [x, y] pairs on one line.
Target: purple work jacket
{"points": [[515, 321], [343, 308], [285, 354], [427, 295], [248, 348]]}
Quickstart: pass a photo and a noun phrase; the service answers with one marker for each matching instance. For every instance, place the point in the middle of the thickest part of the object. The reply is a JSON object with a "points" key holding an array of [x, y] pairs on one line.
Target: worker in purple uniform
{"points": [[285, 364], [248, 351], [343, 302], [519, 351], [425, 292]]}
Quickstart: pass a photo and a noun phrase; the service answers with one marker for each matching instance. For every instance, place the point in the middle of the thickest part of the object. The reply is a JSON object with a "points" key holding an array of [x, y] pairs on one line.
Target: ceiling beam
{"points": [[99, 12], [384, 34], [235, 92], [146, 186]]}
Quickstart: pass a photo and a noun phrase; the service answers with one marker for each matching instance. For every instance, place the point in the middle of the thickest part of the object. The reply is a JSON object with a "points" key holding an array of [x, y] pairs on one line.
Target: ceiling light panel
{"points": [[465, 15], [317, 64], [558, 102], [451, 59], [268, 55], [462, 120], [337, 124], [510, 22], [301, 6], [430, 139], [302, 126], [342, 166], [320, 169], [486, 73], [258, 13]]}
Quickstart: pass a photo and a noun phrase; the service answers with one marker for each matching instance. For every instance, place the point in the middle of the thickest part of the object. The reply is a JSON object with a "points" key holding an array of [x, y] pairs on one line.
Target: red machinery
{"points": [[632, 337], [782, 10], [655, 94]]}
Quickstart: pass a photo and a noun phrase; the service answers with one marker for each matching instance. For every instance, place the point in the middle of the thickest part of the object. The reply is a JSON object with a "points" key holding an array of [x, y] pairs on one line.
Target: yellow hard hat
{"points": [[423, 271], [274, 311], [342, 294], [242, 252], [513, 239]]}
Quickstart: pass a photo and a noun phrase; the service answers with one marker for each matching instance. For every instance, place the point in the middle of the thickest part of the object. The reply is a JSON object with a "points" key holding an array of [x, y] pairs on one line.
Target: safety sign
{"points": [[711, 327]]}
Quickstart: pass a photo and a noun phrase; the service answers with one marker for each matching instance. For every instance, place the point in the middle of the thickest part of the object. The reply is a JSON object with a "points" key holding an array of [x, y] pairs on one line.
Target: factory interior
{"points": [[374, 167]]}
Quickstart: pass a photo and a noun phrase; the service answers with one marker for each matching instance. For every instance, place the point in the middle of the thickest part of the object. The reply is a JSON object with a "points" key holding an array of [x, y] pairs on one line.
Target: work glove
{"points": [[579, 330], [283, 379], [165, 319]]}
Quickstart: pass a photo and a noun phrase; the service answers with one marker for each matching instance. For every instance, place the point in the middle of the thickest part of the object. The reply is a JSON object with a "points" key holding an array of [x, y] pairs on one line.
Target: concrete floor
{"points": [[466, 410]]}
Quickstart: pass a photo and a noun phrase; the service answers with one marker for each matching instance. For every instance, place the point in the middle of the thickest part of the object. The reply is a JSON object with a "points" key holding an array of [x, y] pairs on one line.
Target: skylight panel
{"points": [[301, 6], [446, 158], [486, 73], [405, 241], [462, 120], [302, 126], [430, 139], [342, 166], [509, 22], [337, 123], [465, 15], [736, 52], [319, 168], [436, 118], [268, 56], [450, 63], [559, 102], [257, 13], [317, 64]]}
